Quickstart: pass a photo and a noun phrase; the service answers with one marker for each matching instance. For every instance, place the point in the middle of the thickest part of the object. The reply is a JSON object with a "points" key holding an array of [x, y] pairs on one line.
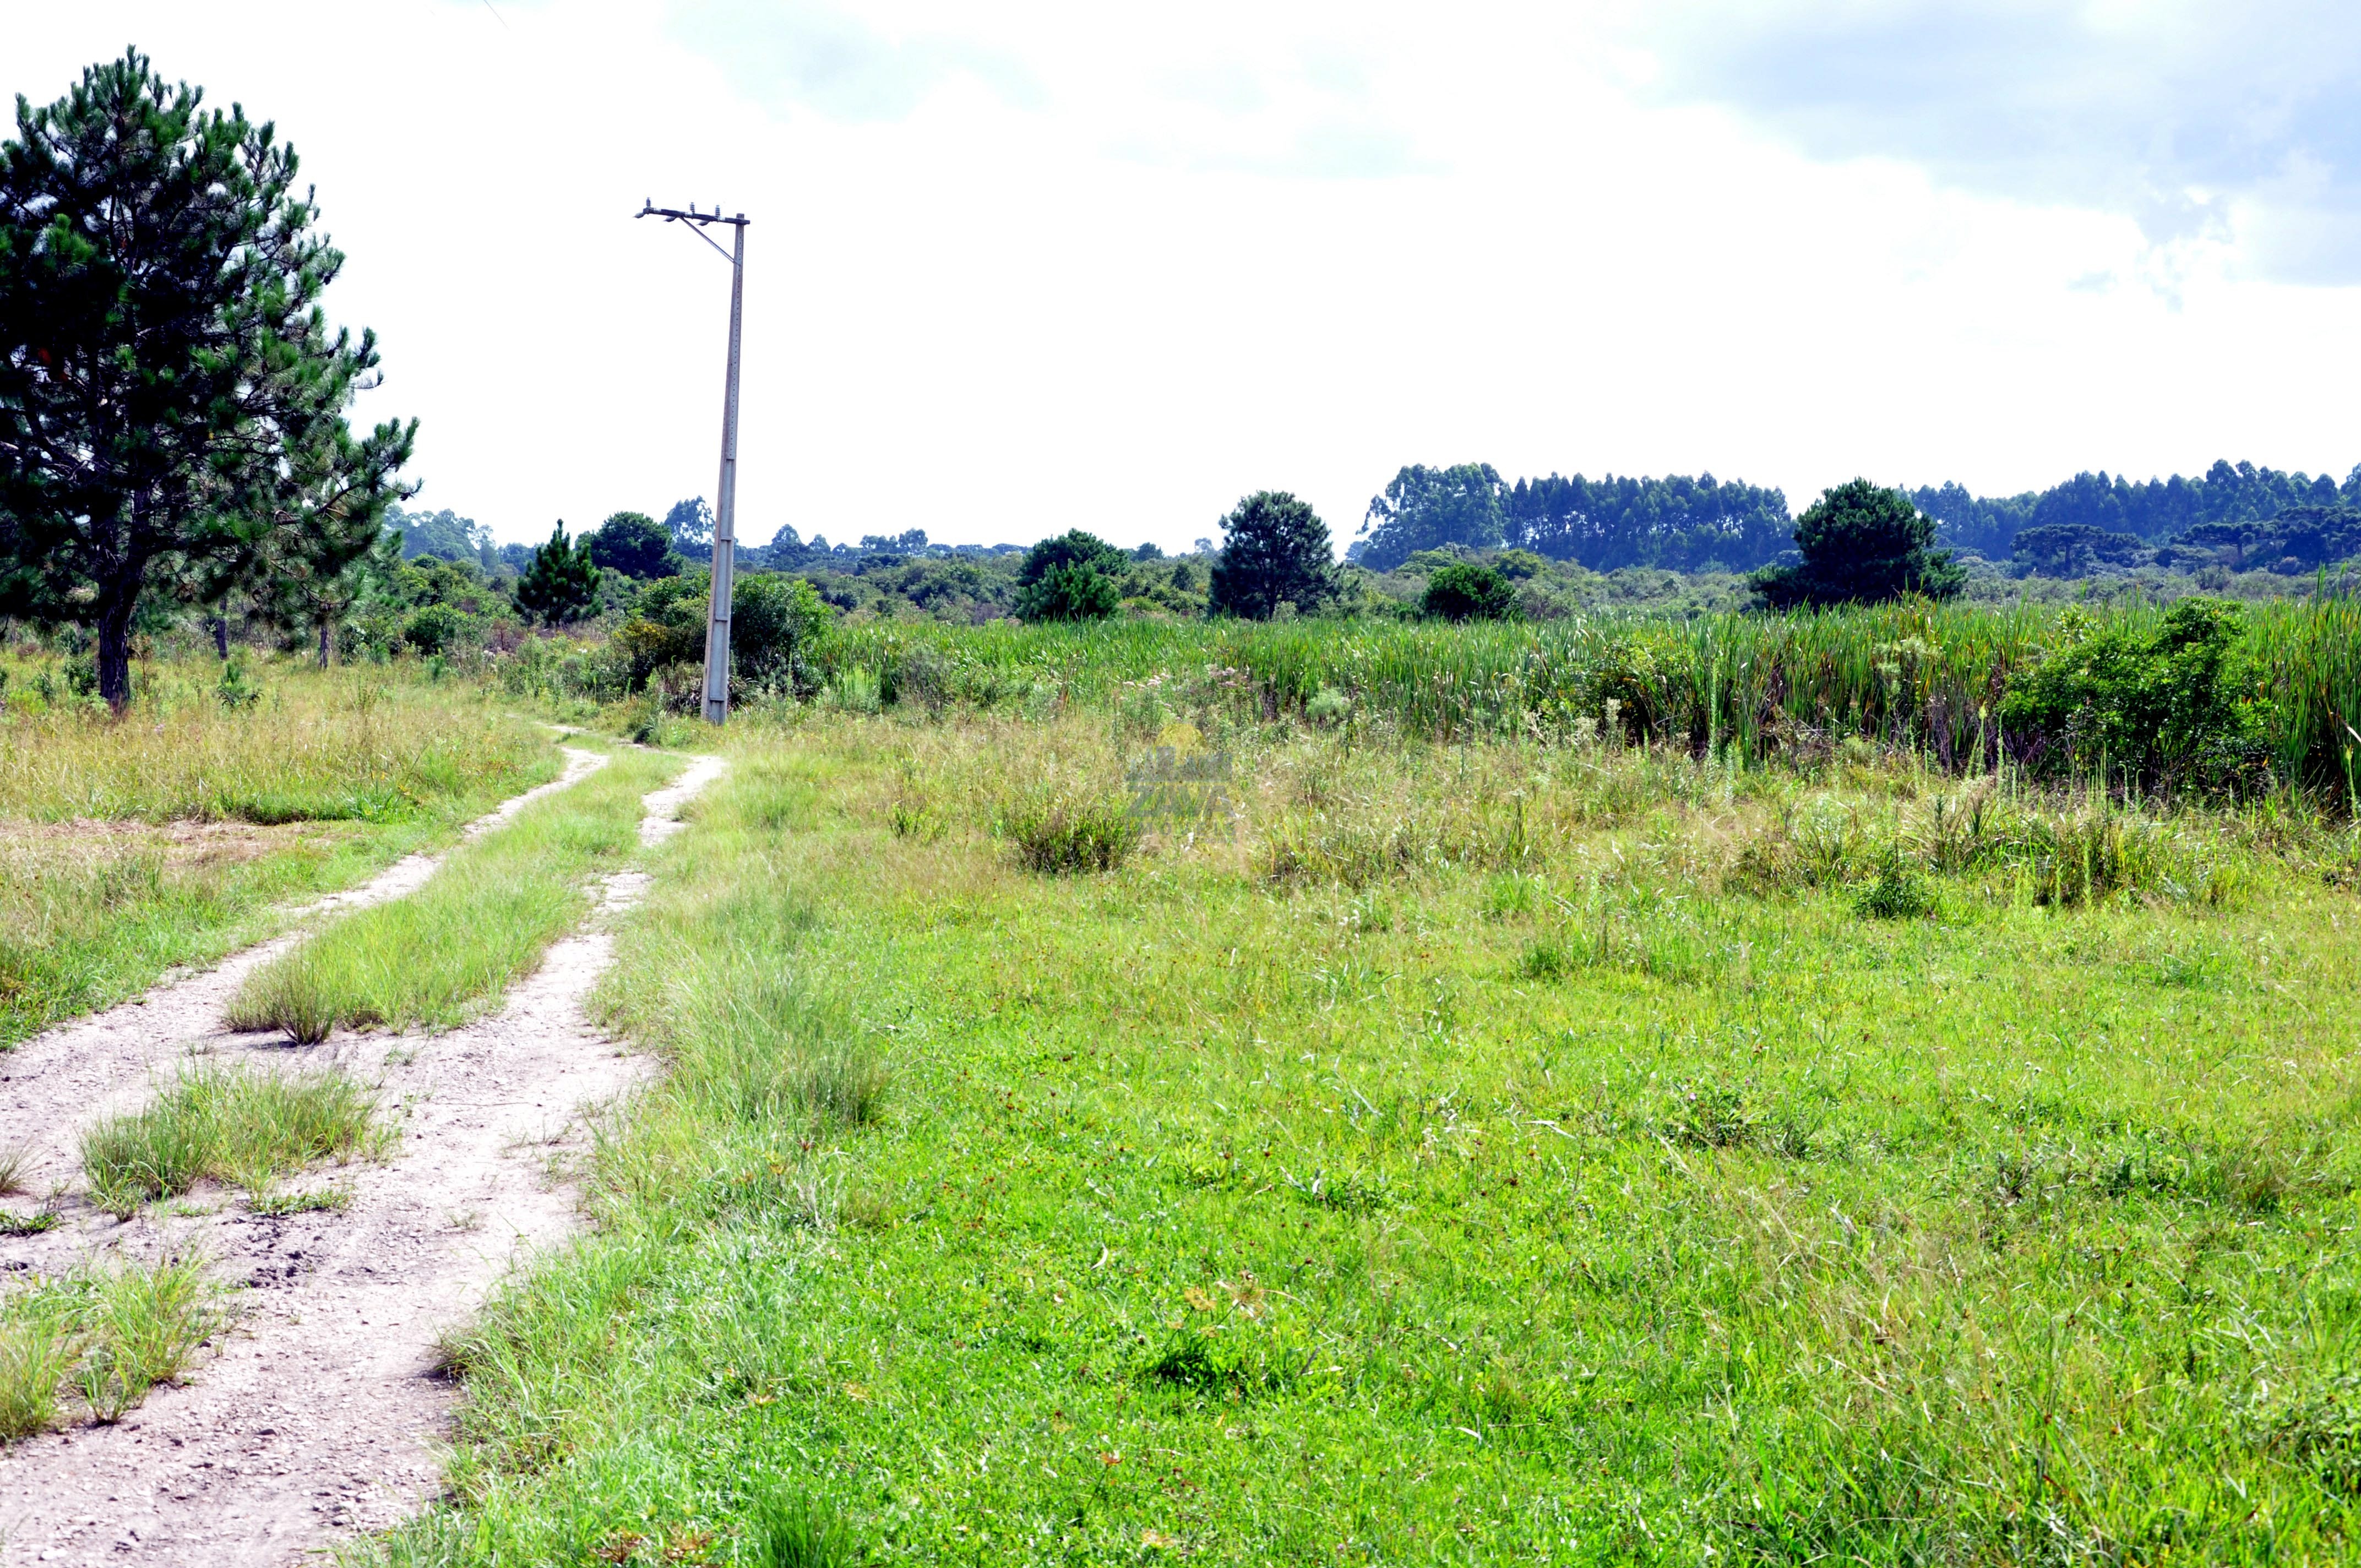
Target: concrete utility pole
{"points": [[725, 505]]}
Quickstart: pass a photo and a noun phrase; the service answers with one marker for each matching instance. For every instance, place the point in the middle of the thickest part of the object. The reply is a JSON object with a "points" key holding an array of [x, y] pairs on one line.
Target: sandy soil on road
{"points": [[321, 1412]]}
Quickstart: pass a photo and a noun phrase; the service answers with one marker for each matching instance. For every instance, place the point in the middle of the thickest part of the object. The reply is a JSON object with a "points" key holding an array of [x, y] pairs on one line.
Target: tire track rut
{"points": [[322, 1414]]}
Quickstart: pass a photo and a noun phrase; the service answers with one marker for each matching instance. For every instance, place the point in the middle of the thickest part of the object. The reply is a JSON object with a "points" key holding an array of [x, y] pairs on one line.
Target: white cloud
{"points": [[2197, 118], [1036, 266]]}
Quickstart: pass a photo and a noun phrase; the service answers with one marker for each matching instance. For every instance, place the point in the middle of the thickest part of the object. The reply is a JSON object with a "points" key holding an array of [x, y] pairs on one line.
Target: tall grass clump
{"points": [[107, 1333], [436, 957], [1056, 832], [40, 1343], [246, 1128], [791, 1530], [143, 1326]]}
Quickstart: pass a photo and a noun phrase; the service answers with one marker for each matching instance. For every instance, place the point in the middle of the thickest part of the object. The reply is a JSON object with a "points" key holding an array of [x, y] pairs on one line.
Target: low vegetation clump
{"points": [[1057, 832], [246, 1128], [1464, 592], [436, 958], [1834, 1160], [105, 1335]]}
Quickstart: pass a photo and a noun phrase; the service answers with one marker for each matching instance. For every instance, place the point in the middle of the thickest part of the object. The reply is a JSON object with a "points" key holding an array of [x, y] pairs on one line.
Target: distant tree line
{"points": [[1676, 523], [2237, 514], [2152, 511]]}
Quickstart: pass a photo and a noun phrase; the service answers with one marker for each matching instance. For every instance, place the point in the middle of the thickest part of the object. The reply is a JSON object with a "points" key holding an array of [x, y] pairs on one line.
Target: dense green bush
{"points": [[1073, 591], [433, 629], [634, 545], [1463, 592], [2175, 708], [775, 623]]}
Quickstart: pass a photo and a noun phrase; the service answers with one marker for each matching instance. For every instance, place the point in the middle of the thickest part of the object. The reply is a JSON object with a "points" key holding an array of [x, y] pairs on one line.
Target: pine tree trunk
{"points": [[324, 645], [115, 653], [221, 636]]}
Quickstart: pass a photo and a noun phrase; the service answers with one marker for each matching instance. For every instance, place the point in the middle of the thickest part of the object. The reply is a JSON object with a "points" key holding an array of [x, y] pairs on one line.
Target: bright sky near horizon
{"points": [[1028, 266]]}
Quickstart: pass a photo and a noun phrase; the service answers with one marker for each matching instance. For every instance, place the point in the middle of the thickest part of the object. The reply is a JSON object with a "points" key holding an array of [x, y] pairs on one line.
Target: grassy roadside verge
{"points": [[450, 949], [172, 838], [1212, 1209]]}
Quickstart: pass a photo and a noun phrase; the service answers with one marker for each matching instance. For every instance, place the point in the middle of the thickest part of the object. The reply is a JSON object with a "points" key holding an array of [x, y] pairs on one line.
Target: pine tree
{"points": [[1861, 543], [172, 400], [559, 584], [1275, 550]]}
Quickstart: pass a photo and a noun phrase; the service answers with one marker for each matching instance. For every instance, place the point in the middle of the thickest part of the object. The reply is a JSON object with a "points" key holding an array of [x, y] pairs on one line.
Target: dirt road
{"points": [[320, 1415]]}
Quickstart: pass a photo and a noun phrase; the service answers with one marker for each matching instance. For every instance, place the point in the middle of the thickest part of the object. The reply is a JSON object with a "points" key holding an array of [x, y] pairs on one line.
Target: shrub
{"points": [[1711, 1115], [1896, 894], [1463, 592], [776, 626], [1074, 591], [433, 629], [2167, 709], [1328, 706], [775, 623], [642, 646]]}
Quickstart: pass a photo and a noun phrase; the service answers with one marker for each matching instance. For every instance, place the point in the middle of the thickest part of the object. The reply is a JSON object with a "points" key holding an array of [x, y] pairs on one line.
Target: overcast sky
{"points": [[1019, 267]]}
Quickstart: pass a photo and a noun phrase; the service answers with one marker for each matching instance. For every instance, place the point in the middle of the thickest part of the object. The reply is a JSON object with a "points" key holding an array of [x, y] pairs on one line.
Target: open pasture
{"points": [[1531, 1148]]}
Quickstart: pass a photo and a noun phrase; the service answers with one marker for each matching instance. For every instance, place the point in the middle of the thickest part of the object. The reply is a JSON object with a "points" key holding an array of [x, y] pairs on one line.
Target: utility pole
{"points": [[725, 505]]}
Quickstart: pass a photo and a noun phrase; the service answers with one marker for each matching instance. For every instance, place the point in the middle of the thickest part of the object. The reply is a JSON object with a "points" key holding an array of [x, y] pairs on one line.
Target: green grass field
{"points": [[171, 836], [1505, 1153]]}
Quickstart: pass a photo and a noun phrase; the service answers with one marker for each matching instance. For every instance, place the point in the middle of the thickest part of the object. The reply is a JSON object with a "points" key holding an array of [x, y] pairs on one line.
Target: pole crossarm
{"points": [[725, 511], [648, 209]]}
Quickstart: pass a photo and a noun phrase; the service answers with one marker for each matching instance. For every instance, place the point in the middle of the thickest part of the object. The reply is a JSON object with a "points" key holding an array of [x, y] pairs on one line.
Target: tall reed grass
{"points": [[1743, 686]]}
